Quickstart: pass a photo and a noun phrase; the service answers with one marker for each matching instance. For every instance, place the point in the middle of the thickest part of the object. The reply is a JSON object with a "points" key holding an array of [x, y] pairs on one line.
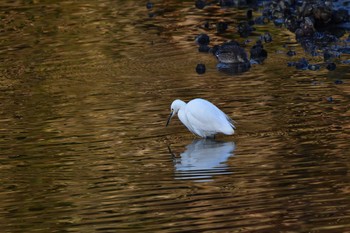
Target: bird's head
{"points": [[174, 108]]}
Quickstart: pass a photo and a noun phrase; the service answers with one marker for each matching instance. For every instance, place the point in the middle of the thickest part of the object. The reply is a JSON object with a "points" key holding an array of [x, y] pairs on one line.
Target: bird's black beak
{"points": [[169, 118]]}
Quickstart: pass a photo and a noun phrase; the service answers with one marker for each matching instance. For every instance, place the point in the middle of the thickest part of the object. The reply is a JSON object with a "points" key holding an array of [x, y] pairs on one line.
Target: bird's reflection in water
{"points": [[203, 159]]}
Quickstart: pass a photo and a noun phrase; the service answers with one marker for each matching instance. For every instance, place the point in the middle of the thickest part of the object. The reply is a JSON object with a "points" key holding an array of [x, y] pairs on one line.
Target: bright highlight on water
{"points": [[202, 118]]}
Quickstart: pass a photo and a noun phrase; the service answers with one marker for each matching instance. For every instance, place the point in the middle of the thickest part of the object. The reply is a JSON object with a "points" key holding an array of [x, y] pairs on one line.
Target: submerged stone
{"points": [[250, 14], [278, 22], [266, 37], [291, 53], [203, 48], [233, 68], [261, 20], [149, 5], [200, 68], [258, 53], [231, 52], [202, 39], [244, 29], [200, 4], [329, 99], [221, 27], [331, 66], [338, 82], [302, 64], [291, 63], [313, 67]]}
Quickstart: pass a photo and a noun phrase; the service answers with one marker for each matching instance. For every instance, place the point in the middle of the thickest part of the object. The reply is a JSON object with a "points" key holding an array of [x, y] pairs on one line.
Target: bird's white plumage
{"points": [[202, 117]]}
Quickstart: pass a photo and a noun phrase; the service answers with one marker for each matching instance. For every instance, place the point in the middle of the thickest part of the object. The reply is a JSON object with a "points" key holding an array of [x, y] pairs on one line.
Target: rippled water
{"points": [[85, 93]]}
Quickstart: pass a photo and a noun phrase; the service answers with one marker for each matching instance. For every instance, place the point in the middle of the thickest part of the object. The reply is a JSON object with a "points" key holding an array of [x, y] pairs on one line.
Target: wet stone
{"points": [[329, 99], [266, 37], [338, 82], [231, 52], [250, 14], [221, 27], [258, 53], [149, 5], [244, 29], [302, 64], [278, 22], [200, 4], [331, 66], [261, 20], [200, 68], [202, 39], [203, 48], [291, 53], [313, 67], [291, 63]]}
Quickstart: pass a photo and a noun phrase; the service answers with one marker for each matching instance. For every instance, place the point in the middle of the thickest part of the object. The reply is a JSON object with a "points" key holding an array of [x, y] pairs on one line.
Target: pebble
{"points": [[221, 27], [338, 82], [291, 53], [202, 39], [331, 66], [313, 67], [200, 68], [149, 5], [200, 4]]}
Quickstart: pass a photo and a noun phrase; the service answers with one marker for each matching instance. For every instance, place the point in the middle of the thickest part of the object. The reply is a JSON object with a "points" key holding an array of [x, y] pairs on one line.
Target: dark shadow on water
{"points": [[203, 159], [233, 68]]}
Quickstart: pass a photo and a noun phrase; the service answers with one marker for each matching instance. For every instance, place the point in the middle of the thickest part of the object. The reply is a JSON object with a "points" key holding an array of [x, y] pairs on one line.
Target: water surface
{"points": [[85, 93]]}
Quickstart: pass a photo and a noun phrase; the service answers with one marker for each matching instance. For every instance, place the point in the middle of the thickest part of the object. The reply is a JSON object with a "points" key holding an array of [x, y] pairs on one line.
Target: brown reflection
{"points": [[85, 92]]}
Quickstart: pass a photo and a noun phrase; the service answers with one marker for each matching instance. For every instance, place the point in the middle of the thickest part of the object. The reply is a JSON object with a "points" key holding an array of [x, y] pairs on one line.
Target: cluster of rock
{"points": [[318, 27]]}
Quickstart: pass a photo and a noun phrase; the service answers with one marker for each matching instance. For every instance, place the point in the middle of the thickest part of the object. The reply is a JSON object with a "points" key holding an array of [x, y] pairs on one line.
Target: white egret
{"points": [[202, 118]]}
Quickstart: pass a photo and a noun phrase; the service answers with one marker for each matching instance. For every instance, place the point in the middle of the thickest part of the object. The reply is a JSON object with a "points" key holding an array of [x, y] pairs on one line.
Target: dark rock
{"points": [[231, 52], [149, 5], [345, 50], [340, 16], [233, 68], [266, 37], [258, 53], [291, 53], [200, 4], [302, 64], [203, 48], [249, 14], [313, 67], [244, 29], [338, 82], [291, 23], [331, 66], [278, 22], [329, 99], [221, 27], [322, 15], [200, 68], [291, 63], [227, 3], [329, 55], [206, 25], [262, 20], [202, 39]]}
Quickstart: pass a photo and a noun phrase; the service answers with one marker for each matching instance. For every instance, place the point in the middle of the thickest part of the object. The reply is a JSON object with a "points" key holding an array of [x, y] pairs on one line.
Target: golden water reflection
{"points": [[85, 92]]}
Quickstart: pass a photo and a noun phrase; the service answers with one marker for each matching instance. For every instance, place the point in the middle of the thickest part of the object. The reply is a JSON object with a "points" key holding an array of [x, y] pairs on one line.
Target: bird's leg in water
{"points": [[173, 155]]}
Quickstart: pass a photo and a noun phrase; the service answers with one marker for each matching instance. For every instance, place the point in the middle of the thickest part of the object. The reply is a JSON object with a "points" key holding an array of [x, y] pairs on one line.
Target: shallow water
{"points": [[86, 88]]}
